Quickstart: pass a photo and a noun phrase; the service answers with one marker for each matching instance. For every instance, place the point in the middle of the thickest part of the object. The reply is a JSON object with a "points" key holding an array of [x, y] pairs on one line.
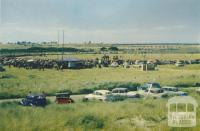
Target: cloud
{"points": [[170, 28], [105, 20]]}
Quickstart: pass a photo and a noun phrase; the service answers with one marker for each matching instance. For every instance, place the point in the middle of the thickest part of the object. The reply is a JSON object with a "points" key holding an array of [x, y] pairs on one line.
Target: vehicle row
{"points": [[148, 90]]}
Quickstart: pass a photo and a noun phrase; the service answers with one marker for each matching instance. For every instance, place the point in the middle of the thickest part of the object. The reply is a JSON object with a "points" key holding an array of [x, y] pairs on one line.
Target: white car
{"points": [[98, 95], [125, 92], [173, 91]]}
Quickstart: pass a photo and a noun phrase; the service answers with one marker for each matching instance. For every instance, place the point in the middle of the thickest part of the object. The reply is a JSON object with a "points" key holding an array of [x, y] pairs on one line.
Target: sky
{"points": [[107, 21]]}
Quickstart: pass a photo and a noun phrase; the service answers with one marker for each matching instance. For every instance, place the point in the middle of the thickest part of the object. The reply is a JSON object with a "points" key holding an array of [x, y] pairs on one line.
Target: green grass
{"points": [[18, 82], [149, 114]]}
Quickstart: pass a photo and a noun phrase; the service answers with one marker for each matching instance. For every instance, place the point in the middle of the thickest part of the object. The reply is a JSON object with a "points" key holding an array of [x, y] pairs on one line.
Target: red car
{"points": [[63, 98]]}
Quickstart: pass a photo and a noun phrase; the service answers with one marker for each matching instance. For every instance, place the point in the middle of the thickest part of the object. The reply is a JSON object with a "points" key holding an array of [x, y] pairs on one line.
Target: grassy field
{"points": [[128, 115], [18, 82], [133, 115]]}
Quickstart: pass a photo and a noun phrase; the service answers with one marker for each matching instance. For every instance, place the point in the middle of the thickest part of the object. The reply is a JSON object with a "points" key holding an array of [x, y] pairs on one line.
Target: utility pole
{"points": [[58, 33], [63, 44]]}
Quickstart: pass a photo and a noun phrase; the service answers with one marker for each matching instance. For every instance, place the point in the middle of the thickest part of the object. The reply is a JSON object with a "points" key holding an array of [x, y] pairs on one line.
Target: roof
{"points": [[169, 87], [103, 91], [72, 60], [34, 95], [31, 60], [120, 89], [182, 99]]}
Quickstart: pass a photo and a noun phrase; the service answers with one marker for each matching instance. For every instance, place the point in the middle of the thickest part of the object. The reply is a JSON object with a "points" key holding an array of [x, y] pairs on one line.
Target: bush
{"points": [[5, 95], [92, 122], [183, 85], [113, 48], [103, 49], [86, 91], [7, 76], [111, 85]]}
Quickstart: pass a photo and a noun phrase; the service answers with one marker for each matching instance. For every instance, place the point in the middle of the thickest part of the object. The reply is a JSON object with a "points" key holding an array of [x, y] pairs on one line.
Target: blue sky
{"points": [[116, 21]]}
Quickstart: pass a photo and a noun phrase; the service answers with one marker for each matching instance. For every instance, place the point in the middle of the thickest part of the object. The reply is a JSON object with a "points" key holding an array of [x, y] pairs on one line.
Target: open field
{"points": [[133, 115], [18, 82]]}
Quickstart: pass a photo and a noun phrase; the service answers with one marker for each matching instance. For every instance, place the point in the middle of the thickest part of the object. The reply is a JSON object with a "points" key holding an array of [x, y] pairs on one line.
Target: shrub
{"points": [[111, 85], [91, 122], [86, 91], [7, 76], [183, 85], [113, 48], [103, 49]]}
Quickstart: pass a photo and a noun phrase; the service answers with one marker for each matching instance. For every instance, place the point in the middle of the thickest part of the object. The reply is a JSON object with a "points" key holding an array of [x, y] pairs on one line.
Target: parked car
{"points": [[34, 100], [1, 68], [152, 87], [179, 64], [114, 98], [125, 92], [63, 98], [172, 91], [97, 95], [152, 90]]}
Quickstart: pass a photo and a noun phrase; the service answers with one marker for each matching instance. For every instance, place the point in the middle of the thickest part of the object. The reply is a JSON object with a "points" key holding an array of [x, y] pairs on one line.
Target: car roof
{"points": [[102, 91], [120, 89], [169, 87]]}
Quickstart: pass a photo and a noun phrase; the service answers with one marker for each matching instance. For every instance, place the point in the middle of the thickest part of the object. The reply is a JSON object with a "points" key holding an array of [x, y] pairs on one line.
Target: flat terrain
{"points": [[131, 114], [20, 81]]}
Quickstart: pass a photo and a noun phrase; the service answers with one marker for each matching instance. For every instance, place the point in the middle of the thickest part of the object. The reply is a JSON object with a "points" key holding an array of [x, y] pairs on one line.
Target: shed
{"points": [[73, 63], [148, 66]]}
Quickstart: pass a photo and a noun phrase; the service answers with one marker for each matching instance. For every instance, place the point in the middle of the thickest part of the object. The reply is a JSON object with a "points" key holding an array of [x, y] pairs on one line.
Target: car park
{"points": [[63, 98], [97, 95]]}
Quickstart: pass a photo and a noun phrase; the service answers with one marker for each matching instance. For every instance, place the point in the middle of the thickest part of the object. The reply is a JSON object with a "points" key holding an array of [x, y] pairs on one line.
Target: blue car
{"points": [[34, 100]]}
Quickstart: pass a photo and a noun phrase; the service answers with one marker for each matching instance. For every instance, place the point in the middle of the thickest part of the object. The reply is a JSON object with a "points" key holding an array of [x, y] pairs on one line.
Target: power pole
{"points": [[63, 44], [58, 44]]}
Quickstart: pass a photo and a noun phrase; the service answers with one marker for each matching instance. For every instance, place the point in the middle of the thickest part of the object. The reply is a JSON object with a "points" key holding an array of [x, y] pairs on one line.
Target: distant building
{"points": [[73, 63], [148, 66]]}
